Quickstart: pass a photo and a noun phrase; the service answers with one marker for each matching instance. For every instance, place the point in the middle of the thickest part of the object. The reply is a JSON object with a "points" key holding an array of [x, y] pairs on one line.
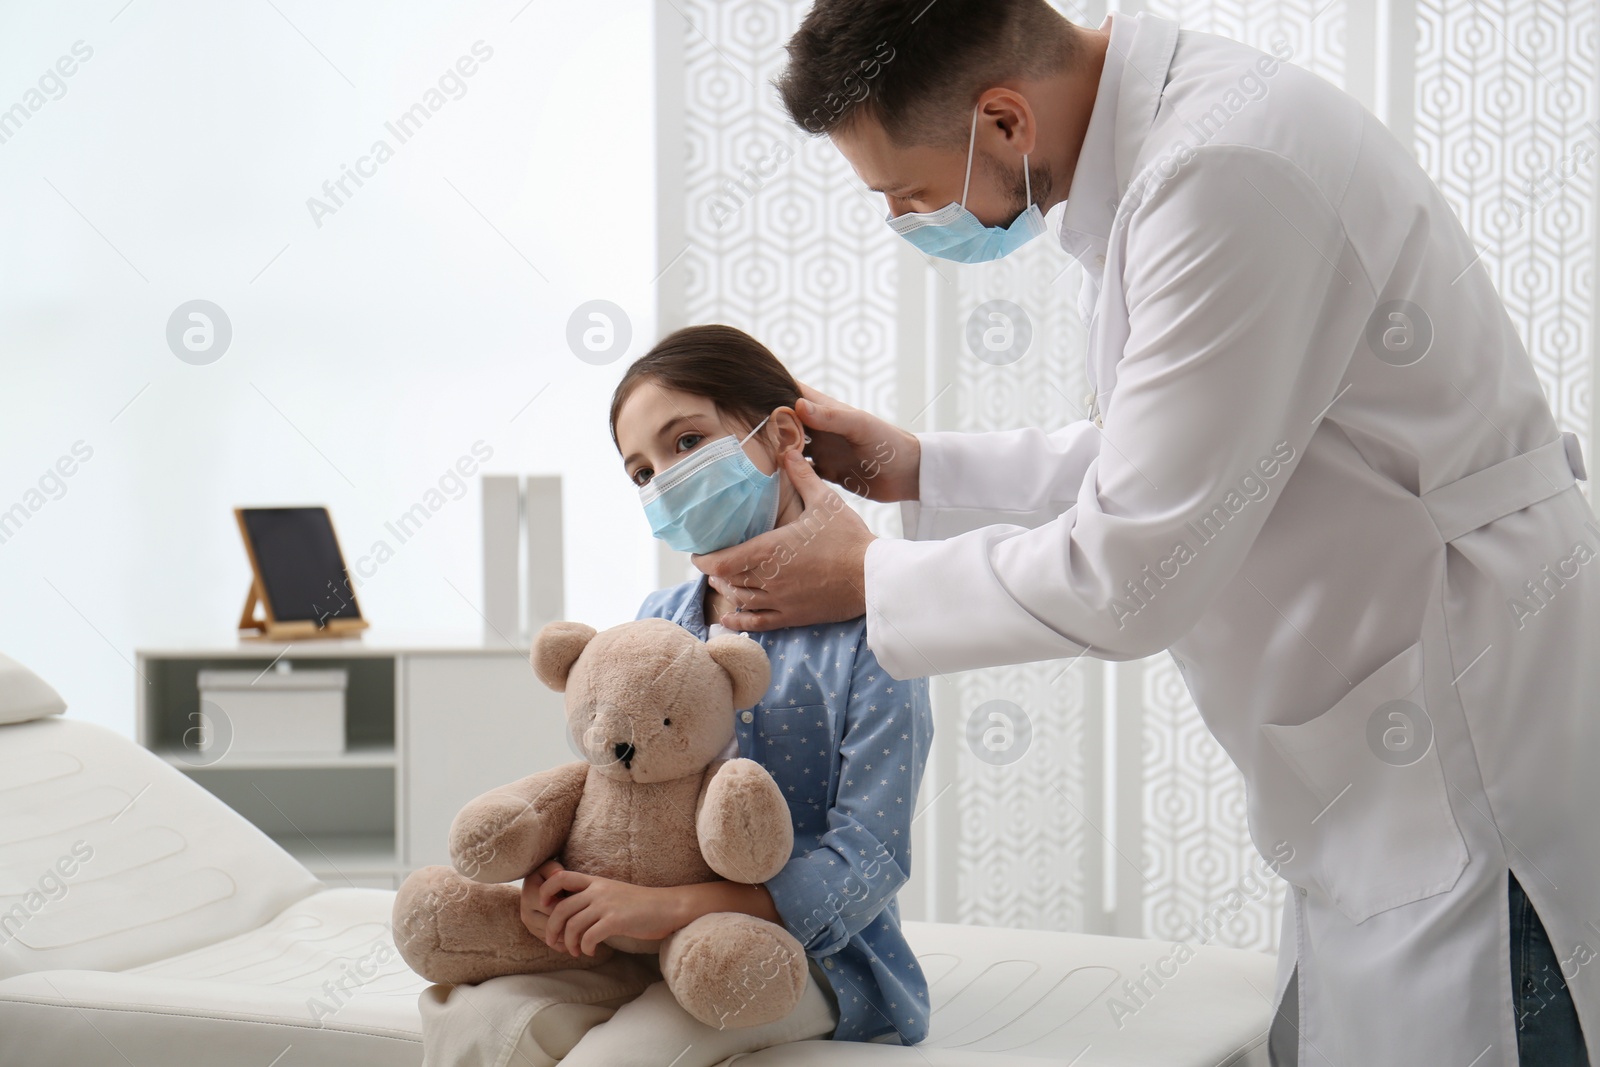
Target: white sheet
{"points": [[110, 858], [190, 938], [1007, 998]]}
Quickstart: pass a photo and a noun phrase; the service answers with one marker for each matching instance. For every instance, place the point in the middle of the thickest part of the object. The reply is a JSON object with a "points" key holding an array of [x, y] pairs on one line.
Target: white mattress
{"points": [[243, 1001], [1004, 997], [190, 938], [110, 858]]}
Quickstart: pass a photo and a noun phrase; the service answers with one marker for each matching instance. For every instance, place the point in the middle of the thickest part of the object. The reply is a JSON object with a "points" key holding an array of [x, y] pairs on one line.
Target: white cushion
{"points": [[322, 977], [110, 858], [1026, 998], [1007, 998], [24, 695], [187, 937]]}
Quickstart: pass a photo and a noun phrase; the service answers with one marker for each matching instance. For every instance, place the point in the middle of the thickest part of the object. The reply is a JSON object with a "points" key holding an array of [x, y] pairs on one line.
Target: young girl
{"points": [[701, 421]]}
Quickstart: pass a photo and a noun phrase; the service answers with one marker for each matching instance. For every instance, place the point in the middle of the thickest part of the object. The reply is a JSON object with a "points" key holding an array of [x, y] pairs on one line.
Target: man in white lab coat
{"points": [[1317, 467]]}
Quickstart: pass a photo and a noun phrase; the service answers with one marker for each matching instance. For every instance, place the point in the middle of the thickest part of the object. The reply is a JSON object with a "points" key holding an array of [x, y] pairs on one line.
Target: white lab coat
{"points": [[1314, 532]]}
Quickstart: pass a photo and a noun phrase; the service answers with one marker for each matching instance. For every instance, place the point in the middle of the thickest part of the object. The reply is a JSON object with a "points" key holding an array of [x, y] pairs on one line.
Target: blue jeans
{"points": [[1547, 1023]]}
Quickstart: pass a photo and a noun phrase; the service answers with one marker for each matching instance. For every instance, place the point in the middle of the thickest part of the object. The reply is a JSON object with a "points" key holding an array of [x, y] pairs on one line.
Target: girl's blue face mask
{"points": [[955, 233], [712, 498]]}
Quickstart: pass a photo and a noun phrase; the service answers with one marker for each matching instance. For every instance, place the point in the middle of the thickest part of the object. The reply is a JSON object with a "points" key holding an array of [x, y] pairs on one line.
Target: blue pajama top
{"points": [[846, 743]]}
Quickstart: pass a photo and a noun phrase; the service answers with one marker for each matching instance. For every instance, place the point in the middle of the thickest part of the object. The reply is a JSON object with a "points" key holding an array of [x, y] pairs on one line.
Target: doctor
{"points": [[1317, 467]]}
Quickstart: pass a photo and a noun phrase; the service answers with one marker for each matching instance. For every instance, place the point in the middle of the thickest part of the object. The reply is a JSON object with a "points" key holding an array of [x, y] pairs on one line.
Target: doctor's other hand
{"points": [[807, 571], [858, 450]]}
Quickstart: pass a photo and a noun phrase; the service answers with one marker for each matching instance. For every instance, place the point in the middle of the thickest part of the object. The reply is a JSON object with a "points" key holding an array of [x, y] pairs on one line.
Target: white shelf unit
{"points": [[429, 725]]}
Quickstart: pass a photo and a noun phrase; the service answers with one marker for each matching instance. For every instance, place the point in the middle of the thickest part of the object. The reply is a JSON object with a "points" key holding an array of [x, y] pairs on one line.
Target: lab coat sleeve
{"points": [[957, 492], [1233, 270], [828, 895]]}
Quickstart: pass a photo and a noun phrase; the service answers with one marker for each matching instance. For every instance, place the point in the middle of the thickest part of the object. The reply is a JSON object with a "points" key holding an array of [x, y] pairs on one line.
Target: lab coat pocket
{"points": [[1381, 833]]}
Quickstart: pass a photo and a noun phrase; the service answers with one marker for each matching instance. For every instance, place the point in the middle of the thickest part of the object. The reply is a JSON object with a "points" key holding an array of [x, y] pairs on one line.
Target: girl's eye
{"points": [[693, 439], [642, 475], [666, 722]]}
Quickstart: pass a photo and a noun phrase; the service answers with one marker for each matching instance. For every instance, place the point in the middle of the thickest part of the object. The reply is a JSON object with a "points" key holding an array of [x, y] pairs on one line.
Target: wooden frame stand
{"points": [[344, 621], [260, 625]]}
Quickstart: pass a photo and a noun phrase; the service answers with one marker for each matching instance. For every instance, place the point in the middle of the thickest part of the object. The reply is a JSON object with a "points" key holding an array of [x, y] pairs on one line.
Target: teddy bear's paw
{"points": [[454, 931], [508, 831], [745, 829], [733, 970]]}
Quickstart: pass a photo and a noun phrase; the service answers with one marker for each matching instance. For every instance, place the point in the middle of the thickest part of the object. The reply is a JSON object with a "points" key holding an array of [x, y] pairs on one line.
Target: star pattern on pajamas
{"points": [[847, 745]]}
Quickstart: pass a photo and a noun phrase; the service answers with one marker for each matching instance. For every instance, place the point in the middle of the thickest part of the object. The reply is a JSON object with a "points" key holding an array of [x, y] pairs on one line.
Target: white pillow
{"points": [[24, 695]]}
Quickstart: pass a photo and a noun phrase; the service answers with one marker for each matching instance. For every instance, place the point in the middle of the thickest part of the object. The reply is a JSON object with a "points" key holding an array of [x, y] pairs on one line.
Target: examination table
{"points": [[143, 922]]}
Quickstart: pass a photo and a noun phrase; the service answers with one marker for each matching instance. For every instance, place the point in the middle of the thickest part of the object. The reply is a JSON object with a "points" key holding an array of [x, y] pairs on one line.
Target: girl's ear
{"points": [[788, 432], [556, 648]]}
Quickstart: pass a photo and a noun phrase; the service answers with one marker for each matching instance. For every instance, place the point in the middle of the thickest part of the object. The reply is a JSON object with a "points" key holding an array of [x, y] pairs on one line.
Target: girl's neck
{"points": [[715, 605], [789, 505]]}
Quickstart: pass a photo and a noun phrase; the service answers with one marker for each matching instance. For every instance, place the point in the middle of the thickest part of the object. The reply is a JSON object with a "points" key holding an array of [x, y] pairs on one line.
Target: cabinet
{"points": [[428, 726]]}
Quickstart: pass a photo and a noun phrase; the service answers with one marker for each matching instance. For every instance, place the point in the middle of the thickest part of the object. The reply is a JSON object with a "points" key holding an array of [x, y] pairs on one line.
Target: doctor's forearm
{"points": [[1011, 473]]}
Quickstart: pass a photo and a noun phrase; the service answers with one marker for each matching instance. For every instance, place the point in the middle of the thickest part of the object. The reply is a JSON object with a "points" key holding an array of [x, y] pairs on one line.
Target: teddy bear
{"points": [[652, 708]]}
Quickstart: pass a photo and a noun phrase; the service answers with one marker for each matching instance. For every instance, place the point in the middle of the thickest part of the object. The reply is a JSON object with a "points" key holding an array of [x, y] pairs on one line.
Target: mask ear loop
{"points": [[753, 430], [972, 141], [966, 183], [745, 633]]}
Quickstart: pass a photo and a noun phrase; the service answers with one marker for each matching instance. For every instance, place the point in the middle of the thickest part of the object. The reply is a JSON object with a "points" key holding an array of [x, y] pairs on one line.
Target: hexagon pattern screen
{"points": [[1122, 814]]}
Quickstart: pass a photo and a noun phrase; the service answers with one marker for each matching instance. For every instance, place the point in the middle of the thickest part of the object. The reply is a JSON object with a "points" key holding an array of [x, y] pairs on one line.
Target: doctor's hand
{"points": [[863, 453], [808, 571]]}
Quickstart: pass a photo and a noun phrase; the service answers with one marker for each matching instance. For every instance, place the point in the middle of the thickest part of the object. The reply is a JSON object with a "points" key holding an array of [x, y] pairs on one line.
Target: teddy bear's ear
{"points": [[556, 649], [746, 663]]}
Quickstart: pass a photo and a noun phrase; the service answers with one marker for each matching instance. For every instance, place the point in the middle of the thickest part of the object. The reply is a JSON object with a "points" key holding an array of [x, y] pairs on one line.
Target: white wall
{"points": [[371, 354]]}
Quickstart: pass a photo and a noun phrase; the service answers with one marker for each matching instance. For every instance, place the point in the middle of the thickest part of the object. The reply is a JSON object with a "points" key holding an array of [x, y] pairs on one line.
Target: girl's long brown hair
{"points": [[733, 370]]}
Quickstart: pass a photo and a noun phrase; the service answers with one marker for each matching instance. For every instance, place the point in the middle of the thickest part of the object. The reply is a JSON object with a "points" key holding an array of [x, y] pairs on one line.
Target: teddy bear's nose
{"points": [[623, 750]]}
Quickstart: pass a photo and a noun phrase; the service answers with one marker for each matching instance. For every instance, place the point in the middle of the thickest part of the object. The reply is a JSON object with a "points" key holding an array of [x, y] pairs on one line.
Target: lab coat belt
{"points": [[1480, 498]]}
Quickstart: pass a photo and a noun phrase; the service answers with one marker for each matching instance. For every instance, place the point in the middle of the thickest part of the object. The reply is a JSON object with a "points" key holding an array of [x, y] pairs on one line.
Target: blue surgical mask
{"points": [[955, 233], [712, 498]]}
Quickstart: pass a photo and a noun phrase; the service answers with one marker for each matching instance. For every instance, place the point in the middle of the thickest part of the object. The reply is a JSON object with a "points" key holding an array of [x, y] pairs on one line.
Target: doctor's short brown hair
{"points": [[727, 366], [916, 66]]}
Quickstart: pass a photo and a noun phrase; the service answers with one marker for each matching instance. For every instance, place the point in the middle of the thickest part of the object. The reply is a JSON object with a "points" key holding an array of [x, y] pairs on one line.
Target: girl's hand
{"points": [[584, 910], [535, 915]]}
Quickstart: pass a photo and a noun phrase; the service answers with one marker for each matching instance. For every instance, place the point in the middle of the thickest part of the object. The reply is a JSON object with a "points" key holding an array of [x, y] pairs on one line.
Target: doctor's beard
{"points": [[1040, 174]]}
